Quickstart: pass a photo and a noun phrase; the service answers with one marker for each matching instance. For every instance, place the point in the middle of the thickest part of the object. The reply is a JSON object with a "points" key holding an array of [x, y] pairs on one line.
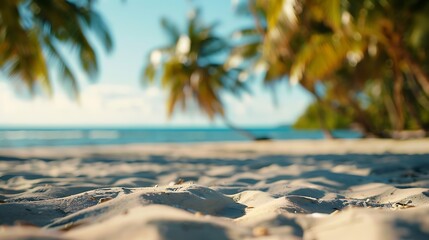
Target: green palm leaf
{"points": [[36, 29]]}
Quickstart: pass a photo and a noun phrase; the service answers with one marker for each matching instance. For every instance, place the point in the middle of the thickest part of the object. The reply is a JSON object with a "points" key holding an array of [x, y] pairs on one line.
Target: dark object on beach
{"points": [[264, 138]]}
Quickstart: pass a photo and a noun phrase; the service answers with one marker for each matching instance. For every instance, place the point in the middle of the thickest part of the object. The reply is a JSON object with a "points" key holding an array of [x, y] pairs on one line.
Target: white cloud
{"points": [[100, 104]]}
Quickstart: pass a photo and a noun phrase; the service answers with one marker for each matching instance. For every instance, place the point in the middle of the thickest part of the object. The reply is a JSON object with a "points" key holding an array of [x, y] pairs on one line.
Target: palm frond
{"points": [[35, 31], [321, 56], [65, 73], [330, 13], [170, 29]]}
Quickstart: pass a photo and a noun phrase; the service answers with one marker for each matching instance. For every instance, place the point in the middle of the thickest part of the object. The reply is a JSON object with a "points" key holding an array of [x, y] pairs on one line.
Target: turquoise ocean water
{"points": [[31, 137]]}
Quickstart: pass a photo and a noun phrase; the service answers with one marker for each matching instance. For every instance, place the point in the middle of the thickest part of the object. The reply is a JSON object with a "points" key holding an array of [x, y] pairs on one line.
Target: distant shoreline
{"points": [[19, 138], [288, 147]]}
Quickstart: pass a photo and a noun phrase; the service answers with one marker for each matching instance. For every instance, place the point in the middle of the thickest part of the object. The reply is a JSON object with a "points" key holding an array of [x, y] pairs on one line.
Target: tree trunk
{"points": [[398, 99], [417, 94], [391, 109], [362, 118], [327, 133], [410, 102], [243, 132], [417, 70]]}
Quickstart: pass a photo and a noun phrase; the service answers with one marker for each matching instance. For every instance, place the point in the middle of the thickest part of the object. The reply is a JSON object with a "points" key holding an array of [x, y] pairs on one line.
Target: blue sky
{"points": [[117, 98]]}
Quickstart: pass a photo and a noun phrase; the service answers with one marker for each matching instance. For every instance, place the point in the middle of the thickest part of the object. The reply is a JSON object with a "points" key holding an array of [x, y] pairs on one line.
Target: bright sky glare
{"points": [[118, 99]]}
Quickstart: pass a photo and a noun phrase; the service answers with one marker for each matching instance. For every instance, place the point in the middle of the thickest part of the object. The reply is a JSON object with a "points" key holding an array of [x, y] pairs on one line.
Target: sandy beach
{"points": [[307, 189]]}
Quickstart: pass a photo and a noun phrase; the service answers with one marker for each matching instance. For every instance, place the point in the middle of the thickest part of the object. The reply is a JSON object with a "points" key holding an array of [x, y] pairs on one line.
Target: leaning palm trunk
{"points": [[398, 100], [364, 120], [327, 133], [414, 115], [417, 70], [243, 132]]}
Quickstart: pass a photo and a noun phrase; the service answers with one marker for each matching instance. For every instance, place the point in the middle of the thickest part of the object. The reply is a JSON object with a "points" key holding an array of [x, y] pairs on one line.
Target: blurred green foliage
{"points": [[370, 59], [34, 34], [334, 120]]}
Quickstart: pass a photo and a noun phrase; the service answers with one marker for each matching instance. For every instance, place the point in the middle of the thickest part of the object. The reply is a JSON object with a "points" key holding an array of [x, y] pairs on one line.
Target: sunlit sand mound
{"points": [[160, 222], [102, 204], [358, 223]]}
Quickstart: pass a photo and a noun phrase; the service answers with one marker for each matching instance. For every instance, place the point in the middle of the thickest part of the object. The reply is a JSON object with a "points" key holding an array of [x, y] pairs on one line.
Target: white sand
{"points": [[342, 189]]}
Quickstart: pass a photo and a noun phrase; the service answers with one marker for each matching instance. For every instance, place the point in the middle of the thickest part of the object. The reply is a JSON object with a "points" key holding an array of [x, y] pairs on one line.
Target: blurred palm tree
{"points": [[34, 34], [388, 54], [348, 48], [283, 27], [190, 68]]}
